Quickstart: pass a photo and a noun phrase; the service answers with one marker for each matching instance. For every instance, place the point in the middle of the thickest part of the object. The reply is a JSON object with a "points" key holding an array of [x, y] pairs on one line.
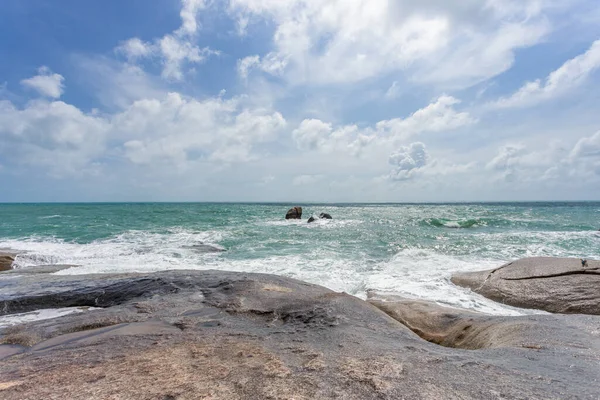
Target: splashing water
{"points": [[409, 250]]}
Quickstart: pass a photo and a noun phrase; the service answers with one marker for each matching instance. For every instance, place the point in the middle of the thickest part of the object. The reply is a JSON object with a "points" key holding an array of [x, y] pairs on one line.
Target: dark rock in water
{"points": [[225, 335], [325, 216], [205, 248], [558, 285], [294, 213], [311, 219], [6, 260]]}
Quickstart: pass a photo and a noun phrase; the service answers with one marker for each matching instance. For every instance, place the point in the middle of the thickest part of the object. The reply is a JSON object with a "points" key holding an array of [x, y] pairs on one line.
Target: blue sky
{"points": [[300, 100]]}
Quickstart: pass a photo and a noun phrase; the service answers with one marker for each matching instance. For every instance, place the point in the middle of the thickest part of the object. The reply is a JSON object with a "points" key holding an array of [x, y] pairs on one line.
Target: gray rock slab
{"points": [[558, 285], [225, 335]]}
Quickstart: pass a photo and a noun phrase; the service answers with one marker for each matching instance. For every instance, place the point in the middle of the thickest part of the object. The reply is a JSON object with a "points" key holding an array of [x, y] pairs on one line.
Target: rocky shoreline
{"points": [[224, 335]]}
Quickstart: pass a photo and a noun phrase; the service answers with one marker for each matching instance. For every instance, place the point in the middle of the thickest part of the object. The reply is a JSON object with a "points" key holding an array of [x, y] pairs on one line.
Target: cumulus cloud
{"points": [[551, 162], [587, 147], [408, 161], [46, 83], [508, 161], [312, 134], [54, 135], [173, 130], [570, 75], [460, 43], [178, 129], [439, 116], [176, 49]]}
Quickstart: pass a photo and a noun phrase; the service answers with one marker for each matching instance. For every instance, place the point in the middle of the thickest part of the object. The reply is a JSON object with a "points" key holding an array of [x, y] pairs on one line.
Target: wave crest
{"points": [[455, 223]]}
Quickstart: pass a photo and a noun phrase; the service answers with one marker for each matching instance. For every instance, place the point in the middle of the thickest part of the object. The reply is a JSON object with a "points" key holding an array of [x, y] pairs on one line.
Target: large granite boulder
{"points": [[294, 213], [224, 335], [6, 260], [558, 285]]}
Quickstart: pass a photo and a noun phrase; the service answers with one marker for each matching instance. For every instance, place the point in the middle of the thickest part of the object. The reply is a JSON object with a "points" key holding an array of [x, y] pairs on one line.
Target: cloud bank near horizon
{"points": [[351, 101]]}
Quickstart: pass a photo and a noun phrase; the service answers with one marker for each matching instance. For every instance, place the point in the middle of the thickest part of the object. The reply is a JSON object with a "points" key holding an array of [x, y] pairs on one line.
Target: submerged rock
{"points": [[205, 248], [321, 216], [6, 260], [558, 285], [294, 213], [225, 335]]}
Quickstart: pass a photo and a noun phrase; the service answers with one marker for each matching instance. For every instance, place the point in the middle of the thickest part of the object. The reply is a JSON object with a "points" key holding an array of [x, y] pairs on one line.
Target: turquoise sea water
{"points": [[409, 249]]}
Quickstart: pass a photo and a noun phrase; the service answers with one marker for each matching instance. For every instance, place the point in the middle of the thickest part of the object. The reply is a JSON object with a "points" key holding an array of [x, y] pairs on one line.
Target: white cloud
{"points": [[53, 135], [179, 130], [135, 48], [172, 131], [312, 134], [272, 63], [587, 147], [408, 161], [438, 116], [246, 64], [508, 161], [189, 10], [549, 162], [174, 50], [393, 91], [117, 85], [46, 83], [455, 43], [570, 75]]}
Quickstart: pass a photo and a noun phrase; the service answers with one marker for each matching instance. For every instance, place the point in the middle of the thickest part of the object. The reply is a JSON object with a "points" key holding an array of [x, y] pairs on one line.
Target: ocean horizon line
{"points": [[300, 202]]}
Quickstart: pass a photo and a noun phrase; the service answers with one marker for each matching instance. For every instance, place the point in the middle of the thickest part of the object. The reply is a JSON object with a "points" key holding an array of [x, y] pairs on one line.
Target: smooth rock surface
{"points": [[558, 285], [6, 260], [294, 213], [223, 335]]}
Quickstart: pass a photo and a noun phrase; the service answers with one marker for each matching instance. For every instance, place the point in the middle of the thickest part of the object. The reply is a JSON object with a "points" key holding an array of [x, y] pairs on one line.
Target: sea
{"points": [[410, 250]]}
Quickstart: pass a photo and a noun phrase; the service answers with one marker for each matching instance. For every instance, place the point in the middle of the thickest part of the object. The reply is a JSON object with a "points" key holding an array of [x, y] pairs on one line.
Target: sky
{"points": [[299, 100]]}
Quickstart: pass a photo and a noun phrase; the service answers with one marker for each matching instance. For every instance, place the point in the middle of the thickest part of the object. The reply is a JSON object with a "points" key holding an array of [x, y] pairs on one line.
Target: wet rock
{"points": [[205, 248], [311, 219], [6, 260], [294, 213], [558, 285], [244, 336], [325, 216]]}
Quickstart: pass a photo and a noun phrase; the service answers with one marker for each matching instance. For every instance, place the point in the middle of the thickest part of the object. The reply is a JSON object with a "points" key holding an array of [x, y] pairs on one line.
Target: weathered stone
{"points": [[325, 216], [463, 329], [559, 285], [294, 213], [224, 335], [6, 260], [311, 219]]}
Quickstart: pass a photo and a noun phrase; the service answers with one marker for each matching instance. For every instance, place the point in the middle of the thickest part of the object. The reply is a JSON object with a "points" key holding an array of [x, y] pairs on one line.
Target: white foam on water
{"points": [[425, 275], [133, 251], [39, 315], [411, 272], [317, 223], [50, 216]]}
